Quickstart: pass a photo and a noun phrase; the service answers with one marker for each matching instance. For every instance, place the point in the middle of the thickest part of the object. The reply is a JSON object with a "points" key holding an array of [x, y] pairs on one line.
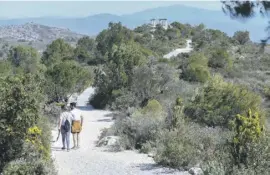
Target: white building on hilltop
{"points": [[163, 22]]}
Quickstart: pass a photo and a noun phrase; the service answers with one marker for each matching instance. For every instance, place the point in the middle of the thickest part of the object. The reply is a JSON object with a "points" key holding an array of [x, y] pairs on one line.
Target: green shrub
{"points": [[142, 127], [20, 110], [247, 129], [140, 130], [57, 88], [25, 134], [124, 101], [178, 115], [146, 147], [25, 58], [188, 145], [266, 92], [45, 138], [196, 69], [247, 151], [116, 76], [218, 102], [242, 37], [30, 162], [176, 152], [152, 109], [99, 100], [56, 52], [163, 60], [5, 68], [258, 160], [220, 59]]}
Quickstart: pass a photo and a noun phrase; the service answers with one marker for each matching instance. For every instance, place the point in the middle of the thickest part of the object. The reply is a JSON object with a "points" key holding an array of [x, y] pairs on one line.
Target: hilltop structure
{"points": [[163, 22]]}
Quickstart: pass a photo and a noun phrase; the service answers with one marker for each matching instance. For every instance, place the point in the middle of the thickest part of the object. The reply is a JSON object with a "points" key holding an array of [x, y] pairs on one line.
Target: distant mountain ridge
{"points": [[35, 35], [92, 25], [36, 32]]}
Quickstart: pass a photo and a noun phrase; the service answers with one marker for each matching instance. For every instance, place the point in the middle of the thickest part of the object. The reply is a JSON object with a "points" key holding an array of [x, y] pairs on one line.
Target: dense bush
{"points": [[26, 58], [184, 29], [35, 152], [218, 102], [20, 113], [188, 145], [245, 152], [248, 129], [116, 76], [208, 38], [76, 79], [85, 50], [29, 162], [116, 34], [5, 68], [56, 52], [25, 133], [214, 149], [196, 69], [141, 128], [220, 59], [242, 37]]}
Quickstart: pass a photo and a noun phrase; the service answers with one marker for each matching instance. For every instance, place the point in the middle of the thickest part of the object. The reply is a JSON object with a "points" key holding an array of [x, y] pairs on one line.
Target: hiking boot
{"points": [[68, 150], [63, 148]]}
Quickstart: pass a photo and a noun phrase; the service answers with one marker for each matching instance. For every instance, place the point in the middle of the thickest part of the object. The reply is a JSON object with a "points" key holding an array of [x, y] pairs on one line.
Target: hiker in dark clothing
{"points": [[64, 126]]}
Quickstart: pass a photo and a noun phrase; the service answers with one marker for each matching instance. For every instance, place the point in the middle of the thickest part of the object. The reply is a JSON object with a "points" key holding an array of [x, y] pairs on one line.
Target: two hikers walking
{"points": [[70, 122]]}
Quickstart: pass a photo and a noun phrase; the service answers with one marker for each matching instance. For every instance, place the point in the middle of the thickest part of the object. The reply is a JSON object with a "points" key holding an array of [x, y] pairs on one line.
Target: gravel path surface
{"points": [[91, 160], [175, 52]]}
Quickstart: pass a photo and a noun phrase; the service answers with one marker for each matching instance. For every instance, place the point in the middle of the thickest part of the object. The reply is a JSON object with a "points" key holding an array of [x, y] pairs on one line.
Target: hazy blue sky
{"points": [[12, 9]]}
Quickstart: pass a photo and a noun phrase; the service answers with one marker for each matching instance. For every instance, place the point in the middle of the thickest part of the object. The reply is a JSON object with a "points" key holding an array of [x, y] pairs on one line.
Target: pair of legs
{"points": [[76, 129], [65, 138], [76, 140]]}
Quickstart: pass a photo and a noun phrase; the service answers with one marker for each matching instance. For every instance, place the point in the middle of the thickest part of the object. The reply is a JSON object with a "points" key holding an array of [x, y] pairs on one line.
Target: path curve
{"points": [[91, 160], [175, 52]]}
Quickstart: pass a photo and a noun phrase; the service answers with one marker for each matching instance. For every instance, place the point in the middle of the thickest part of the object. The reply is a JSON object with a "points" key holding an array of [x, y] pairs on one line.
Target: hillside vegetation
{"points": [[207, 108], [33, 87]]}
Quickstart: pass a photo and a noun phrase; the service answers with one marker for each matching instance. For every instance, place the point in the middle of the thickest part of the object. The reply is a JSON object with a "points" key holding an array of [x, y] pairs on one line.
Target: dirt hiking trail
{"points": [[92, 160]]}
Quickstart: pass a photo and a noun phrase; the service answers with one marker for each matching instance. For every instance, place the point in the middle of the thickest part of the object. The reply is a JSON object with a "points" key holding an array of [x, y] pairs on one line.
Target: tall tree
{"points": [[24, 57], [65, 78], [114, 35], [117, 73], [57, 51], [184, 29], [85, 50], [242, 37]]}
